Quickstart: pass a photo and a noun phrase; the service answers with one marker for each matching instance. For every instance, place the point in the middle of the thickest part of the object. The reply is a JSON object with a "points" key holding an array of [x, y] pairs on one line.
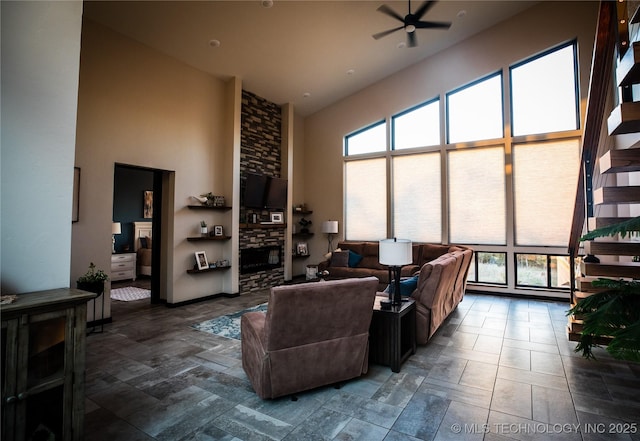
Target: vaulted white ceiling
{"points": [[309, 53]]}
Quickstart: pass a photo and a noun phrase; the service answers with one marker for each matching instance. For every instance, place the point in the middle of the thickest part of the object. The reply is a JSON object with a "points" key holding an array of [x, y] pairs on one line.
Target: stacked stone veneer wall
{"points": [[260, 145]]}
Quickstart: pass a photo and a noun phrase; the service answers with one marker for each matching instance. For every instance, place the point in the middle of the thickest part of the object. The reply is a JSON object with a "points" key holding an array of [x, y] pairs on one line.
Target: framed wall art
{"points": [[148, 204]]}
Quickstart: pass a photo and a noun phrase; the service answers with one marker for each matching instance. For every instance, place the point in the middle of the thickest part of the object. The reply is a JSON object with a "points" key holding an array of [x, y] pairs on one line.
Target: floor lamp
{"points": [[330, 228], [395, 253]]}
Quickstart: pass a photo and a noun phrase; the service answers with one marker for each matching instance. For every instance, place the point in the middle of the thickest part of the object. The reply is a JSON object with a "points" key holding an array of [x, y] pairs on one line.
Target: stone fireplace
{"points": [[261, 247]]}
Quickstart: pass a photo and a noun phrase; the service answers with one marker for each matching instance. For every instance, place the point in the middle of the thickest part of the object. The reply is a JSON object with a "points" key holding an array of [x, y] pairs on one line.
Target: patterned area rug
{"points": [[227, 325], [130, 293]]}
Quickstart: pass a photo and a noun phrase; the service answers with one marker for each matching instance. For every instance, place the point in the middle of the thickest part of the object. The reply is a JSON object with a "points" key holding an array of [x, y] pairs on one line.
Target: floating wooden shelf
{"points": [[202, 238], [208, 270], [302, 234], [303, 213], [208, 207]]}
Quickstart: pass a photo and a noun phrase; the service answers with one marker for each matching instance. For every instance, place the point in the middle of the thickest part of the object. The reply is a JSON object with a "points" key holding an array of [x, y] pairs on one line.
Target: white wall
{"points": [[40, 64], [535, 30]]}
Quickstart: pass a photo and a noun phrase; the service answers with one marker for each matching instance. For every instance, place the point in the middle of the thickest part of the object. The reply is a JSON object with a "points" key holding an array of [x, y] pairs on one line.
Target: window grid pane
{"points": [[545, 176], [366, 200], [492, 268], [475, 112], [543, 94], [543, 271], [417, 218], [370, 140], [477, 196], [419, 127]]}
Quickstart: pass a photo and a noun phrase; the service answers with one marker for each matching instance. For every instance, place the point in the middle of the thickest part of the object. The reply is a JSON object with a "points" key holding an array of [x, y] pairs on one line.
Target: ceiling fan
{"points": [[411, 22]]}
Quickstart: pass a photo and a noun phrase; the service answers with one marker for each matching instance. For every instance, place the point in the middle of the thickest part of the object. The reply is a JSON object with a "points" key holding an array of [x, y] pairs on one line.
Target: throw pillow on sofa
{"points": [[340, 258], [407, 286], [354, 259]]}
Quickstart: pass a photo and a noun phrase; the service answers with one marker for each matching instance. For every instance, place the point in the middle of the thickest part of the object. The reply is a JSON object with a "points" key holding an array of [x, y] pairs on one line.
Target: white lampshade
{"points": [[395, 252], [330, 227], [115, 228]]}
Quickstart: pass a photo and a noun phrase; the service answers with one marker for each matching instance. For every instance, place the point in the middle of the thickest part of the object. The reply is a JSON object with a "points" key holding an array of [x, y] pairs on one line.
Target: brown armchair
{"points": [[312, 335]]}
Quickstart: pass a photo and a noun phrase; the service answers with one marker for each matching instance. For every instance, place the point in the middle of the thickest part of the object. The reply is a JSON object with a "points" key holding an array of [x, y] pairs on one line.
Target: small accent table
{"points": [[392, 334]]}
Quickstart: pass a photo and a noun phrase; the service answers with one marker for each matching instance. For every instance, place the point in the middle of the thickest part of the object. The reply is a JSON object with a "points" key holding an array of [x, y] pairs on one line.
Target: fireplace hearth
{"points": [[253, 260]]}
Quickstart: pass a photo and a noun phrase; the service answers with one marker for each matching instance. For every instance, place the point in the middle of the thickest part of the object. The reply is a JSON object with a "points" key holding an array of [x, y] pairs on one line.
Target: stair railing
{"points": [[595, 119]]}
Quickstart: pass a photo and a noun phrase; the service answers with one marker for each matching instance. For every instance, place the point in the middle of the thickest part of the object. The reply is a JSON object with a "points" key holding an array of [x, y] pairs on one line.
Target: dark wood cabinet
{"points": [[43, 338]]}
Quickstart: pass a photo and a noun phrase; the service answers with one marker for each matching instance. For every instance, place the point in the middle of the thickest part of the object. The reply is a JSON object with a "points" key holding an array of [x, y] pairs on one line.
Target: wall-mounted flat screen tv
{"points": [[262, 191]]}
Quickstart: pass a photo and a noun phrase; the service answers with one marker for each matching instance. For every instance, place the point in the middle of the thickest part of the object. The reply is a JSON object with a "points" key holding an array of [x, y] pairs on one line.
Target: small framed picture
{"points": [[302, 249], [201, 260], [217, 230], [277, 218]]}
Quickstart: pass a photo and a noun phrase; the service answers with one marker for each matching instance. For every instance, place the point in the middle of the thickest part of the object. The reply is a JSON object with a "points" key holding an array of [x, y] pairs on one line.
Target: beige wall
{"points": [[40, 63], [139, 107], [537, 29]]}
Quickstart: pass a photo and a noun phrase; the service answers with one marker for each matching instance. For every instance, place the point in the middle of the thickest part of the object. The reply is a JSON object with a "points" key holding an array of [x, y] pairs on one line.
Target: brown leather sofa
{"points": [[312, 335], [441, 286], [442, 277]]}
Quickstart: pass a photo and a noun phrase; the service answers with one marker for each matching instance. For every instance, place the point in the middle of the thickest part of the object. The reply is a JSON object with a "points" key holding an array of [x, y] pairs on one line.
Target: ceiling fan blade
{"points": [[432, 24], [379, 35], [423, 9], [390, 12], [411, 39]]}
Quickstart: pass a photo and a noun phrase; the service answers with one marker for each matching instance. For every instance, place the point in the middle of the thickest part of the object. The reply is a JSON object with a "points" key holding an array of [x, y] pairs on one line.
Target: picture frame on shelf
{"points": [[218, 231], [201, 260], [277, 217], [302, 249]]}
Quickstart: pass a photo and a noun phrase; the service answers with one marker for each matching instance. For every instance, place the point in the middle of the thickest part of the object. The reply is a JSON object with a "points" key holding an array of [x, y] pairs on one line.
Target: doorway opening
{"points": [[142, 199]]}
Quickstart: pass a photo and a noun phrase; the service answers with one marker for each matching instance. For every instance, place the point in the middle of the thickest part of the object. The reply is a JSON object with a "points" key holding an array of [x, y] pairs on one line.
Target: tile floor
{"points": [[499, 369]]}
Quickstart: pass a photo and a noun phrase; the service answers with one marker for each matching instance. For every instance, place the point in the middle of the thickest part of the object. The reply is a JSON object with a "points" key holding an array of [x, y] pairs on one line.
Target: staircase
{"points": [[610, 257]]}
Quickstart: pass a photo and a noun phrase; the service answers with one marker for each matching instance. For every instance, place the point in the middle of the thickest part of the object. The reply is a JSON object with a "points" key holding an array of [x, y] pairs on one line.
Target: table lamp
{"points": [[330, 228], [395, 253], [115, 229]]}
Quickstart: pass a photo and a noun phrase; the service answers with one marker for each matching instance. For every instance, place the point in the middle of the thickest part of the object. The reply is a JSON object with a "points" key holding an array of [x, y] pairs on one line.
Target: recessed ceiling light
{"points": [[462, 13], [351, 71], [402, 45], [267, 3], [214, 43], [306, 94]]}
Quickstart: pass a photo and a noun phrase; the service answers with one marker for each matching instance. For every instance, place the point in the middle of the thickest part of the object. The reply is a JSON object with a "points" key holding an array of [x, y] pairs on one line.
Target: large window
{"points": [[543, 93], [475, 111], [368, 140], [477, 213], [545, 176], [417, 127], [504, 185], [365, 199], [417, 197]]}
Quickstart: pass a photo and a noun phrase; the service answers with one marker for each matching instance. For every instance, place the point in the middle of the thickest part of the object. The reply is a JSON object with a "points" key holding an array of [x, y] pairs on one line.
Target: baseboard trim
{"points": [[202, 299]]}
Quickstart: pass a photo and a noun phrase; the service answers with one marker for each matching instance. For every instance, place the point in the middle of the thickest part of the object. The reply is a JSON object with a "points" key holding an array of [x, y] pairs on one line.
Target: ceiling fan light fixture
{"points": [[410, 28]]}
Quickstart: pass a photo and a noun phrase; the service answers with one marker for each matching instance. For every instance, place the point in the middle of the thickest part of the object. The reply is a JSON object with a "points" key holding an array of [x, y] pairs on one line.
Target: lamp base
{"points": [[385, 304]]}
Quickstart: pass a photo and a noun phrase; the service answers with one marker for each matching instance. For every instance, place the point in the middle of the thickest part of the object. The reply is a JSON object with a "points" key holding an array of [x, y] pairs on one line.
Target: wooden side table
{"points": [[392, 334]]}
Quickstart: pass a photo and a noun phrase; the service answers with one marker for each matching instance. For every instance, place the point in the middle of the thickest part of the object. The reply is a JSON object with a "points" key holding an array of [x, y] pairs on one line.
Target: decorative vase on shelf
{"points": [[203, 228]]}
